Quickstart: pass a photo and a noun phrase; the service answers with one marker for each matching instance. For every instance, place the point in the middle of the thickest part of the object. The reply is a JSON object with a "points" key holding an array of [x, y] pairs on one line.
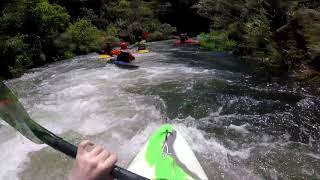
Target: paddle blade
{"points": [[12, 111], [15, 115]]}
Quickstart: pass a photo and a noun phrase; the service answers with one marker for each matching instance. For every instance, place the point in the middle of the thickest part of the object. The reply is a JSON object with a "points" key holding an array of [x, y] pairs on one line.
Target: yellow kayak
{"points": [[104, 56], [143, 51]]}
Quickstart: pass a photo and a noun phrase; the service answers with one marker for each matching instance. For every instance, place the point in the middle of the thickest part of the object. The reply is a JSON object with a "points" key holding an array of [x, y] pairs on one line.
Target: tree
{"points": [[28, 29], [85, 36]]}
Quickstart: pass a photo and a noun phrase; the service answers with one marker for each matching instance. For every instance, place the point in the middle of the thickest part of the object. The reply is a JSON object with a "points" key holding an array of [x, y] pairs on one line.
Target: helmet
{"points": [[124, 45]]}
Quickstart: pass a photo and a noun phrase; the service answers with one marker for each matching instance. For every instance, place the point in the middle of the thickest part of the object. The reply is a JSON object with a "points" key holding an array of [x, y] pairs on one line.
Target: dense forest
{"points": [[275, 36]]}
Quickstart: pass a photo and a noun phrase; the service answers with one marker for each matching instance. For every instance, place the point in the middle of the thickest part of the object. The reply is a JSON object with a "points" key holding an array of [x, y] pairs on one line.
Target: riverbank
{"points": [[272, 45]]}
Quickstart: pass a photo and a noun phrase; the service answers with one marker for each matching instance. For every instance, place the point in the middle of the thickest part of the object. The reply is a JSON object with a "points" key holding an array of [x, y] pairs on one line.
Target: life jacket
{"points": [[116, 52], [125, 57], [123, 46]]}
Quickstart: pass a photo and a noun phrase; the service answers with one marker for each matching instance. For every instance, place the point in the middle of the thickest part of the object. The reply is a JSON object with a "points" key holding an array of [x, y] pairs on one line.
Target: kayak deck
{"points": [[125, 65], [167, 155]]}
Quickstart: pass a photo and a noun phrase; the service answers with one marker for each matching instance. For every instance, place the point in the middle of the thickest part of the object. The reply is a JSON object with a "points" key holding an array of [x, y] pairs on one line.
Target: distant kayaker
{"points": [[123, 53], [92, 163], [183, 37], [117, 51], [141, 44], [107, 48]]}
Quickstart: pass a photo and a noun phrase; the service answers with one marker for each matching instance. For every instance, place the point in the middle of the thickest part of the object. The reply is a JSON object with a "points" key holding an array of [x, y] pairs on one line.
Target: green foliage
{"points": [[132, 18], [85, 36], [242, 21], [65, 46], [28, 30], [215, 40], [35, 32], [132, 11], [272, 62], [167, 30], [12, 19], [257, 32], [14, 54], [50, 19], [159, 31], [20, 66], [155, 36], [112, 30], [252, 25], [222, 12], [236, 32]]}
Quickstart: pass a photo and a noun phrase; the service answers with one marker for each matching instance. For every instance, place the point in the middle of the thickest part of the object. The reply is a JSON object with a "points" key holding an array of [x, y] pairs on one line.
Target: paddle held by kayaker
{"points": [[92, 163]]}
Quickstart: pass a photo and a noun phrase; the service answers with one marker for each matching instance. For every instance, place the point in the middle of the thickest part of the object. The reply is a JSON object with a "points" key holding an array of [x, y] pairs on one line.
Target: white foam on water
{"points": [[316, 156], [14, 152], [216, 113], [100, 105], [242, 129], [30, 75], [211, 147], [311, 173], [131, 147], [214, 152], [143, 56]]}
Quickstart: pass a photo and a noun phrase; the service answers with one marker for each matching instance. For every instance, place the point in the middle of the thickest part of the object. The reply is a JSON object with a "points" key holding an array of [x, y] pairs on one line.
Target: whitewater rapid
{"points": [[85, 97]]}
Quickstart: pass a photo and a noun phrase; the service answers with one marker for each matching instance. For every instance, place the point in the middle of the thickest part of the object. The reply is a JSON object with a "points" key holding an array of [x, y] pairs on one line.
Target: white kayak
{"points": [[167, 155]]}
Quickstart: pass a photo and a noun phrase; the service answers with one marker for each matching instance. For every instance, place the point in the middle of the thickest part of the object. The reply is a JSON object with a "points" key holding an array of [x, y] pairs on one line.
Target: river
{"points": [[240, 126]]}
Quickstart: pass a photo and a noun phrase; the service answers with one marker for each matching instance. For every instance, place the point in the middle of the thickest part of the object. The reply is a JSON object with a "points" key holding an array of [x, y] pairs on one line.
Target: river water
{"points": [[240, 126]]}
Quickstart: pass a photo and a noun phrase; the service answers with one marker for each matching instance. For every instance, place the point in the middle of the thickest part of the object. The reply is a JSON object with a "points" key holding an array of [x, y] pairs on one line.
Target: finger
{"points": [[103, 156], [96, 150], [83, 145], [110, 161]]}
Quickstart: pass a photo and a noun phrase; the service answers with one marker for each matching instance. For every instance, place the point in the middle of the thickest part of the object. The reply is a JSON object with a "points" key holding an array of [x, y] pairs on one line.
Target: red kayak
{"points": [[188, 41]]}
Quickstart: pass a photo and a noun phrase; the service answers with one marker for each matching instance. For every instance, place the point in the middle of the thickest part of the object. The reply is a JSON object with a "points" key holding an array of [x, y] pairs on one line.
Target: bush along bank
{"points": [[274, 36]]}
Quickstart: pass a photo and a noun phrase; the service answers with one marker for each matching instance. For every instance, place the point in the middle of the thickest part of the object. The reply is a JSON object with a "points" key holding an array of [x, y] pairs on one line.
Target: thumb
{"points": [[83, 145]]}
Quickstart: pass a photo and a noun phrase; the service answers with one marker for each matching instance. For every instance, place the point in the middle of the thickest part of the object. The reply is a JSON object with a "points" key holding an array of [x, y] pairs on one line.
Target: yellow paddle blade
{"points": [[104, 56]]}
